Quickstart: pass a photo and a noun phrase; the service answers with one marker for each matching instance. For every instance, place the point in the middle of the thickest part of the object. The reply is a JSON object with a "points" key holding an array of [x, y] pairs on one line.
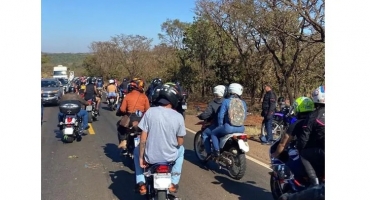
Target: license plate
{"points": [[111, 100], [162, 181], [243, 145], [68, 131], [136, 141], [88, 108], [184, 107]]}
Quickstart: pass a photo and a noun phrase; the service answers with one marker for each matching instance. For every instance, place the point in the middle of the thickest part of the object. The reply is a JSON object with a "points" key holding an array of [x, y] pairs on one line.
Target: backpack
{"points": [[236, 112]]}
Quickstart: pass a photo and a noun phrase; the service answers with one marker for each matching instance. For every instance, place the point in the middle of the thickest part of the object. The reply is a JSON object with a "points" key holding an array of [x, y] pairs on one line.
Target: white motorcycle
{"points": [[71, 125]]}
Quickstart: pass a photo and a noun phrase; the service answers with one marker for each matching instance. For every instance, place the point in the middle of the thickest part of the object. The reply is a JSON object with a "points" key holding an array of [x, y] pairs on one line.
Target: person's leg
{"points": [[268, 126], [97, 104], [176, 170], [85, 118], [140, 179], [214, 136], [205, 138], [60, 117], [308, 156]]}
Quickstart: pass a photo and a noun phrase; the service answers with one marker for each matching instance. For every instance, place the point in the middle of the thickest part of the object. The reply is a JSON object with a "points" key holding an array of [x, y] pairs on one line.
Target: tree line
{"points": [[246, 41]]}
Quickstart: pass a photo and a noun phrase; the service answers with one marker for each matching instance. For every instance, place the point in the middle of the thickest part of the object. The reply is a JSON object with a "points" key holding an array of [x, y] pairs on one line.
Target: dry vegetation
{"points": [[245, 41]]}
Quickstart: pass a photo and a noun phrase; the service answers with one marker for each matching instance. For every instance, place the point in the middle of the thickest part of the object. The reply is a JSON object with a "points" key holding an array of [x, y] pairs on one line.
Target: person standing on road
{"points": [[268, 110], [162, 138]]}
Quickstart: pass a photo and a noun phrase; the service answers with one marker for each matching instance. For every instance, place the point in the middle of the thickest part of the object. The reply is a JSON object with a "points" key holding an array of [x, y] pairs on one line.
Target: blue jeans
{"points": [[175, 169], [223, 130], [268, 127], [82, 114], [112, 94], [205, 137]]}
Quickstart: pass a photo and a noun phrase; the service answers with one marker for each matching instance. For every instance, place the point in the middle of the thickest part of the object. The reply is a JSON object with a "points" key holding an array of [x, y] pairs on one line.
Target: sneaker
{"points": [[123, 144], [216, 153], [173, 188], [141, 188]]}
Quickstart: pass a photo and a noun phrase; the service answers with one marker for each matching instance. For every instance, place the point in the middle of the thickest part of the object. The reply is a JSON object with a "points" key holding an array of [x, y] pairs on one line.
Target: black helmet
{"points": [[71, 89], [156, 82], [169, 94], [88, 80], [281, 100]]}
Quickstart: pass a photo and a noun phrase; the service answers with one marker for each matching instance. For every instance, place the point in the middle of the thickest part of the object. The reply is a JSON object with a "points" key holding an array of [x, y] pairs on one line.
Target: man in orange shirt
{"points": [[135, 104]]}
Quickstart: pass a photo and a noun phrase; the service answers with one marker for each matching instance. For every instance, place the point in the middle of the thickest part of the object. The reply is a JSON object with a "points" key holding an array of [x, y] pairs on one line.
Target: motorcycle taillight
{"points": [[69, 119], [163, 169]]}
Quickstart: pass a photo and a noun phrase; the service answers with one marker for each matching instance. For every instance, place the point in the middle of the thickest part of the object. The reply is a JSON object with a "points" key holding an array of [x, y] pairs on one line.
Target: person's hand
{"points": [[143, 164]]}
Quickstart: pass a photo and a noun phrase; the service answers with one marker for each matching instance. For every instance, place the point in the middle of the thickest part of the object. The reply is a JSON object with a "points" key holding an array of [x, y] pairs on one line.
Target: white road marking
{"points": [[248, 157]]}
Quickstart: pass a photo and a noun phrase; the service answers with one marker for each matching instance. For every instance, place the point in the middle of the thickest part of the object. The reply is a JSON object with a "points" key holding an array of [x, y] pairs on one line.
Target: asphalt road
{"points": [[93, 169]]}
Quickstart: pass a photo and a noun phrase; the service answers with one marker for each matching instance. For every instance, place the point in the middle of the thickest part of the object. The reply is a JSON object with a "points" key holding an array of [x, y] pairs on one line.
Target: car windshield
{"points": [[49, 84], [56, 73], [63, 81]]}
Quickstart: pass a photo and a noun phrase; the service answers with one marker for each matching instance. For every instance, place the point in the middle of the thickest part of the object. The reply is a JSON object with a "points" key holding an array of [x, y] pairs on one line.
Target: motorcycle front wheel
{"points": [[277, 130], [276, 189], [199, 150]]}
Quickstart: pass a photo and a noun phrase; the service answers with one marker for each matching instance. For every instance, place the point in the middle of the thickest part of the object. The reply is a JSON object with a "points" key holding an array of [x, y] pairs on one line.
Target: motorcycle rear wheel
{"points": [[239, 162]]}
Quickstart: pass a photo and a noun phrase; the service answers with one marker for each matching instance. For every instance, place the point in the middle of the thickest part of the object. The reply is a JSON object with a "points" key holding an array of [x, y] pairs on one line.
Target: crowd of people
{"points": [[163, 128]]}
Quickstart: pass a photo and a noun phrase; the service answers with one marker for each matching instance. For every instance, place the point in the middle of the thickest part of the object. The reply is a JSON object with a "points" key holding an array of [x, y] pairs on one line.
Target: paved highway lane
{"points": [[92, 169]]}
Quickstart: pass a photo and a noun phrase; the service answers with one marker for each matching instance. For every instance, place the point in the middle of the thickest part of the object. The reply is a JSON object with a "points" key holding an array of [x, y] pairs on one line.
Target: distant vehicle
{"points": [[52, 91], [60, 71], [65, 83]]}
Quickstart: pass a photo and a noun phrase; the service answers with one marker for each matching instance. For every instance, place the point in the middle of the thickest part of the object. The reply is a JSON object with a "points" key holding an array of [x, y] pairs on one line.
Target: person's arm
{"points": [[272, 105], [95, 90], [221, 114], [285, 140], [143, 125], [181, 132], [207, 113], [305, 135]]}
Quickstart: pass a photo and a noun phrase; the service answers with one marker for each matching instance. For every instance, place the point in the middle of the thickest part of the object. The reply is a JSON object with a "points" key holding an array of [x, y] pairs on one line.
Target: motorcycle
{"points": [[158, 179], [184, 104], [288, 173], [71, 125], [91, 111], [232, 148], [112, 102], [280, 123]]}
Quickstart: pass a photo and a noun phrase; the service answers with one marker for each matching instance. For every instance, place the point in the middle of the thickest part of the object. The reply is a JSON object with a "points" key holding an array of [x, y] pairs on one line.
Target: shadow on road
{"points": [[111, 151], [245, 191], [210, 165], [123, 185], [107, 109]]}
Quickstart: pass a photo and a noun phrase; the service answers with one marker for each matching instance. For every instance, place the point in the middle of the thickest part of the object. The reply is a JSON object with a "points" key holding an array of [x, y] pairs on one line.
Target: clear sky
{"points": [[69, 26]]}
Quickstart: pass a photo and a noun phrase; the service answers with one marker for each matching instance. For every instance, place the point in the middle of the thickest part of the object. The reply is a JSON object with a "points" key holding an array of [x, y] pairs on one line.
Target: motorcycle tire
{"points": [[241, 160], [275, 187], [197, 139], [90, 117], [68, 139], [276, 135], [162, 195]]}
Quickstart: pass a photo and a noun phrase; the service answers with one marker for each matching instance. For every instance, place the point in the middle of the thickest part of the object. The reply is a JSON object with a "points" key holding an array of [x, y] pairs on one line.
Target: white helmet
{"points": [[318, 95], [219, 90], [111, 81], [235, 88]]}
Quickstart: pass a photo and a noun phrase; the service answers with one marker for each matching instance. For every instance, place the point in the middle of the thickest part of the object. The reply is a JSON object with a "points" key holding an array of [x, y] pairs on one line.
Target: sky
{"points": [[69, 26]]}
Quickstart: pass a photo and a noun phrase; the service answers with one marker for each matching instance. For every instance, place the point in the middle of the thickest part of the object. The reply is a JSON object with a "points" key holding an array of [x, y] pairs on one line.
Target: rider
{"points": [[302, 107], [91, 93], [134, 105], [149, 92], [71, 95], [230, 124], [112, 90], [82, 86], [162, 138], [311, 142], [210, 114]]}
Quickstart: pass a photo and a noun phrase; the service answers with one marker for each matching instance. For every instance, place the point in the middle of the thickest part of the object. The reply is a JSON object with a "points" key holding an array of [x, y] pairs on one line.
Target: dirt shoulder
{"points": [[253, 124]]}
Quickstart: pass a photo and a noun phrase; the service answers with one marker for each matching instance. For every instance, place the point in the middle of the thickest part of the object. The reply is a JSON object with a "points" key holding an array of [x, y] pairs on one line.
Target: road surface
{"points": [[92, 169]]}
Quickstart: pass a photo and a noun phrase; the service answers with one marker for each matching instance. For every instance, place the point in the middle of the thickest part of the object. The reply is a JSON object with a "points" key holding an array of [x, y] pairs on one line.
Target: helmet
{"points": [[93, 80], [169, 93], [89, 80], [303, 104], [219, 90], [71, 89], [156, 81], [281, 100], [111, 81], [235, 88], [318, 95], [137, 84]]}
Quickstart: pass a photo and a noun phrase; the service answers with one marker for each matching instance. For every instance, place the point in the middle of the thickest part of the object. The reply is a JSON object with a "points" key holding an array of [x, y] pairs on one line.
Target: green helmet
{"points": [[303, 104]]}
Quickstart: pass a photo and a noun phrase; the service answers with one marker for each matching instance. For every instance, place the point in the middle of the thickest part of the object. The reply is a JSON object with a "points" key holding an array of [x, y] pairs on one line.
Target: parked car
{"points": [[52, 91]]}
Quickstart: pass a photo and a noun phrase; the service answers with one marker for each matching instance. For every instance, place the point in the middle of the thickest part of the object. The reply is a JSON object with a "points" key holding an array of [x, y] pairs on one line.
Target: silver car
{"points": [[52, 91]]}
